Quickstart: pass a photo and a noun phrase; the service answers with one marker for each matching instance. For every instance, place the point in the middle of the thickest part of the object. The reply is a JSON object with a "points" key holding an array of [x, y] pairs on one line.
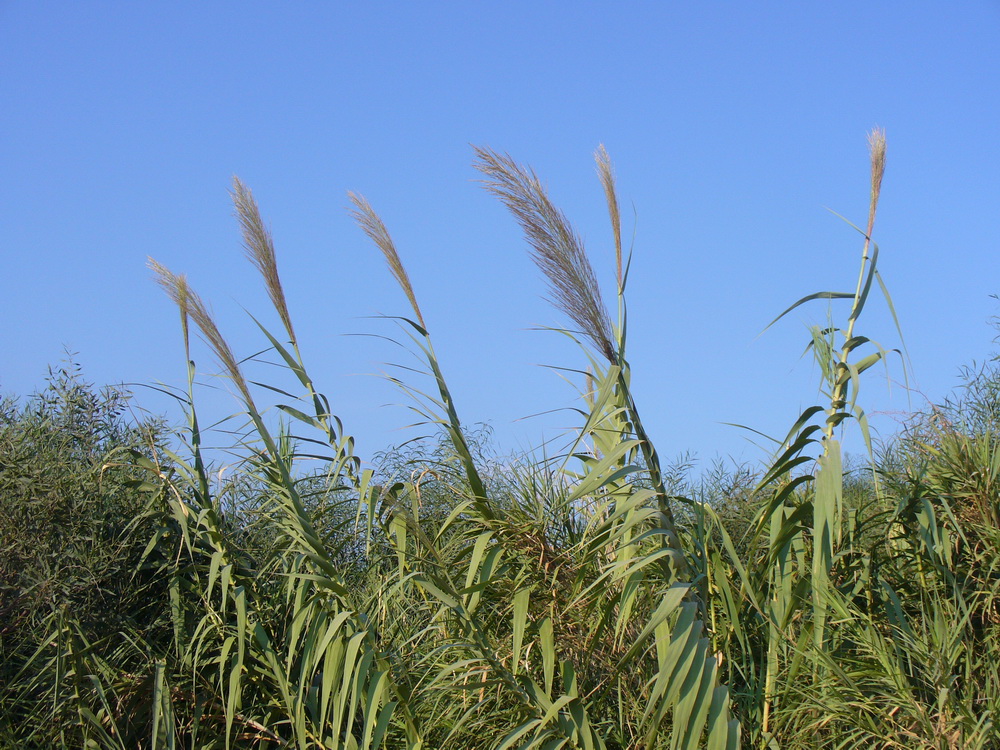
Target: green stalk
{"points": [[828, 500]]}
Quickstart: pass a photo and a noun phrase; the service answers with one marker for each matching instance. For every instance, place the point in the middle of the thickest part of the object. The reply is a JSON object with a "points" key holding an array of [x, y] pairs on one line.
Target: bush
{"points": [[73, 530]]}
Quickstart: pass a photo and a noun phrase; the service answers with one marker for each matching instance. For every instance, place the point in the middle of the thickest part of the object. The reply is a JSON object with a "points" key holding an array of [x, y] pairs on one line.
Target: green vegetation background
{"points": [[447, 596]]}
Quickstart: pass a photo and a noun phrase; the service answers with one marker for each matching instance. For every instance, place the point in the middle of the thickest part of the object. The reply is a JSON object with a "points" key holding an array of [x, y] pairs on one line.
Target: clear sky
{"points": [[732, 127]]}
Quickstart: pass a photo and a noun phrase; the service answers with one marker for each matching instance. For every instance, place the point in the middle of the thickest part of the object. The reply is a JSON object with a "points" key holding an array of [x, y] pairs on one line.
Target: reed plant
{"points": [[590, 599]]}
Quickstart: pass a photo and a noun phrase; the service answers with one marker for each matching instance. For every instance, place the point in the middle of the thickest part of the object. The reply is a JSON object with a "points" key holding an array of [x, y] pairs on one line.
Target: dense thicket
{"points": [[444, 597], [71, 540]]}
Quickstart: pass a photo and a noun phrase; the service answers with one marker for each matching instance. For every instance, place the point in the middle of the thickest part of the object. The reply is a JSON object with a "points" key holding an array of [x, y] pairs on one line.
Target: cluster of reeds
{"points": [[582, 600]]}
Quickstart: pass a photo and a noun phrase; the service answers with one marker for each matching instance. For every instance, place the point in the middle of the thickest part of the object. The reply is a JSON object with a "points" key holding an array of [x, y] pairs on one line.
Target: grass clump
{"points": [[441, 598]]}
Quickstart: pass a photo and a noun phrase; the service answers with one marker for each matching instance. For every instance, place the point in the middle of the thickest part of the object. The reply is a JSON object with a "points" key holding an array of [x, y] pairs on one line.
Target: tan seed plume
{"points": [[556, 248], [190, 304], [607, 175], [373, 226], [876, 147], [178, 290], [259, 247]]}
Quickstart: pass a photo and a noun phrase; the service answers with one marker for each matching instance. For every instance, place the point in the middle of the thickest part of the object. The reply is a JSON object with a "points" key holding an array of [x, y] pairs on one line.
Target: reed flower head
{"points": [[876, 147], [607, 175], [374, 227], [259, 247], [556, 248], [191, 305], [176, 286]]}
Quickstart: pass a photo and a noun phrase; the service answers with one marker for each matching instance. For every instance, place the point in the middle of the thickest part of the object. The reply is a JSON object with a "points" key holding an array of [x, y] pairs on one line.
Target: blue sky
{"points": [[732, 127]]}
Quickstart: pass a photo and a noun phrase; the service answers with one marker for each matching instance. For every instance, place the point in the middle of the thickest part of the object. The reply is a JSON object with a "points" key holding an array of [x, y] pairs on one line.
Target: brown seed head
{"points": [[176, 287], [259, 247], [373, 226], [607, 175], [191, 304], [555, 247], [876, 147]]}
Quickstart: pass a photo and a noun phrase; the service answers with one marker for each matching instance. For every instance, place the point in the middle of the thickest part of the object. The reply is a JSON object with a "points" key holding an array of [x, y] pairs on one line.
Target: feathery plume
{"points": [[373, 226], [607, 175], [259, 247], [556, 248], [876, 146], [178, 290], [191, 304]]}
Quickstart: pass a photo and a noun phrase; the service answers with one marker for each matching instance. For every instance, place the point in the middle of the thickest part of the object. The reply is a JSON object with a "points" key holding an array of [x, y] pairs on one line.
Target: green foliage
{"points": [[449, 598], [71, 538]]}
